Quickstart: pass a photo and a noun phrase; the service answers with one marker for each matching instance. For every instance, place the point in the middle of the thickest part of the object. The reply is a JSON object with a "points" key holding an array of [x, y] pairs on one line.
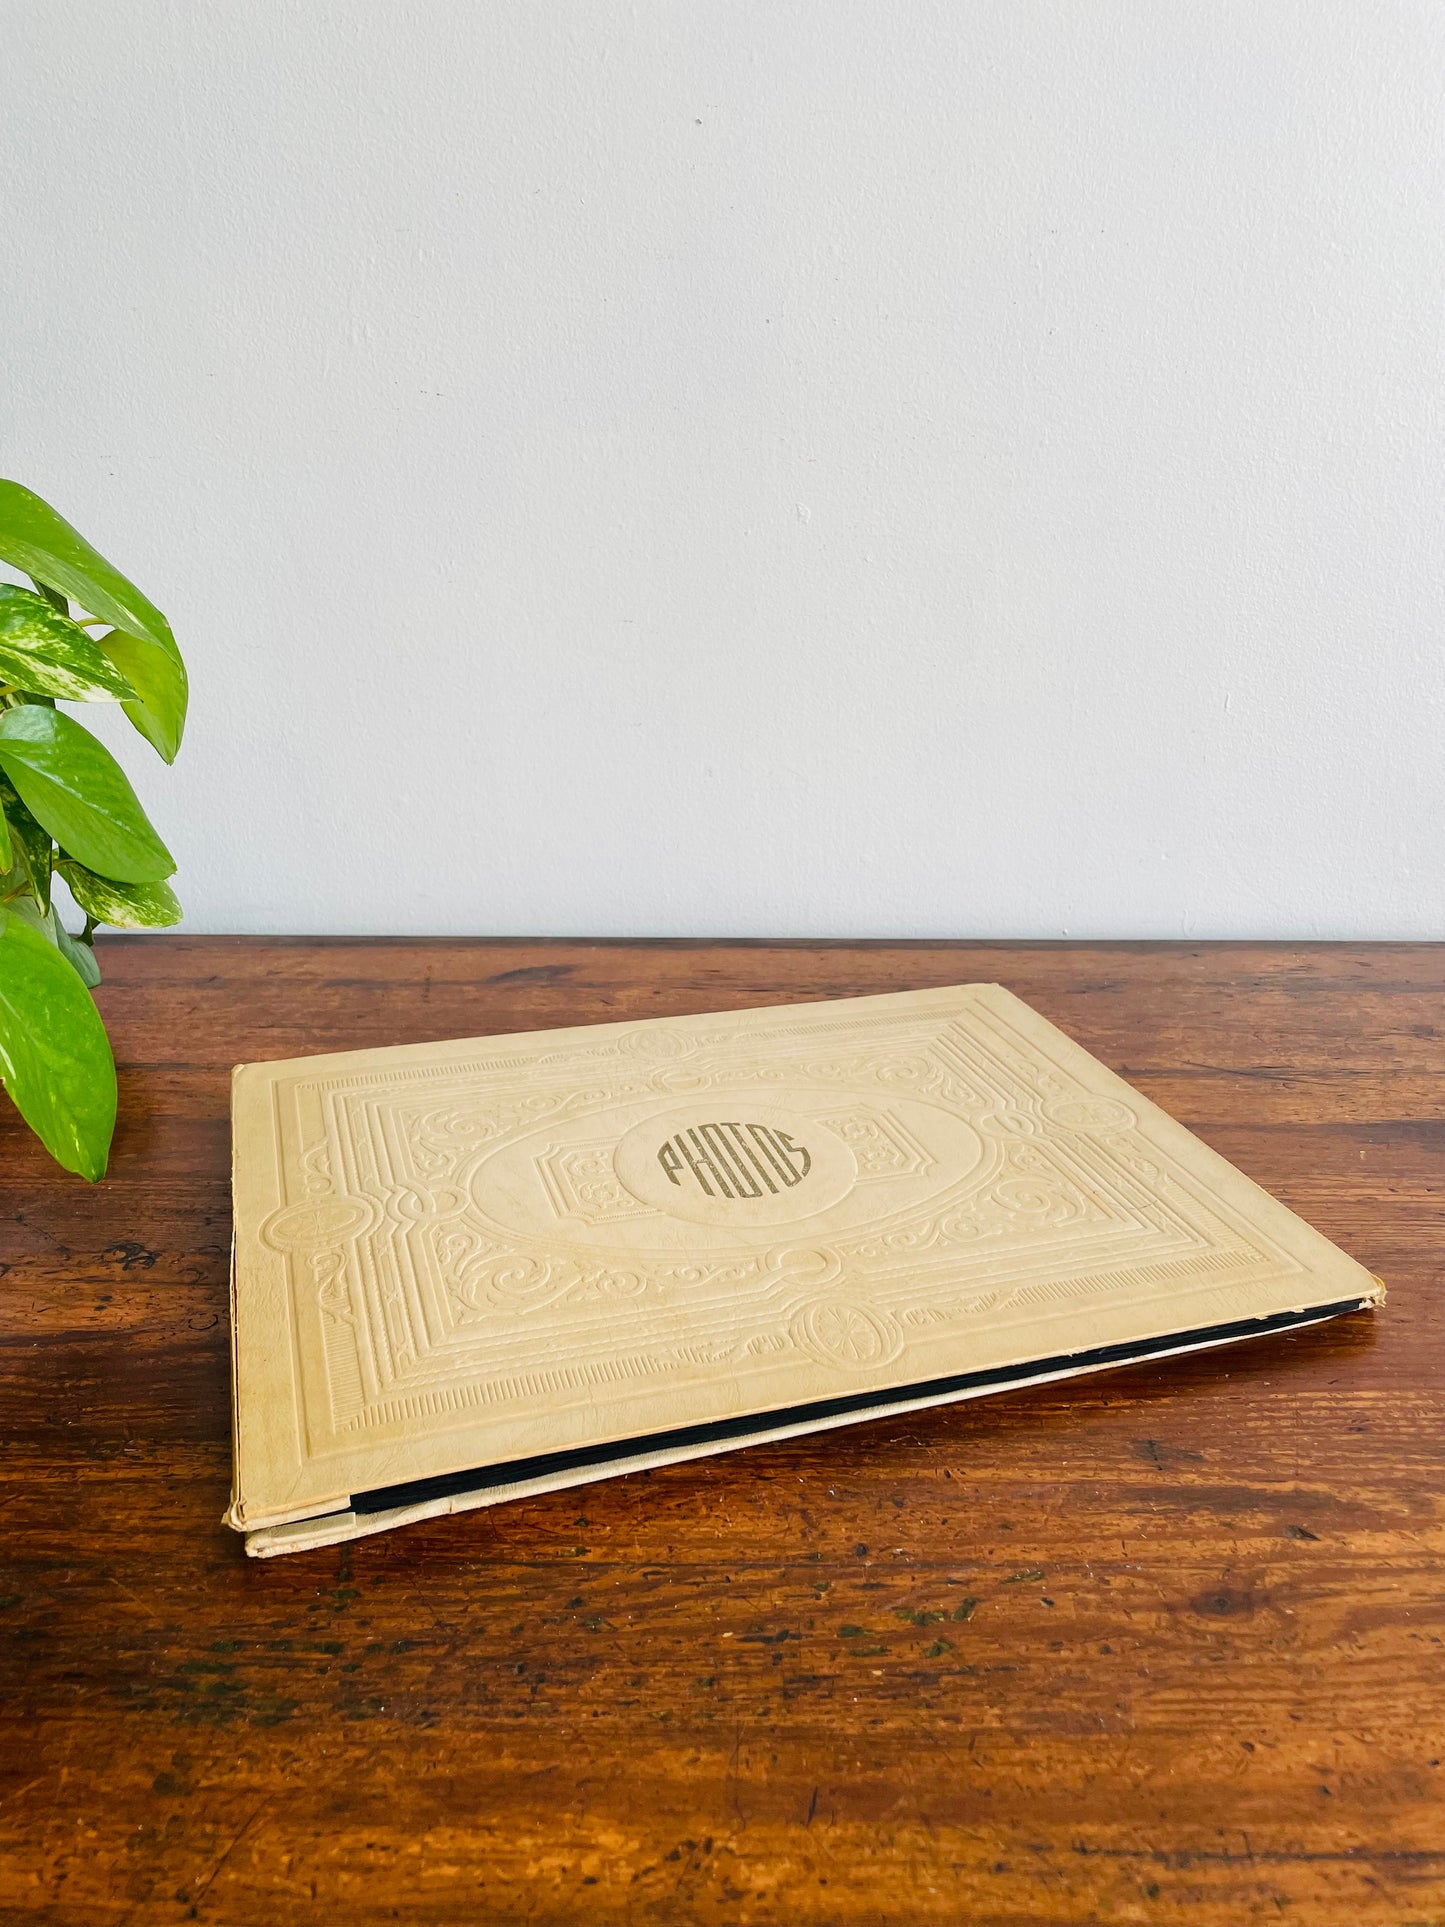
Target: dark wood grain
{"points": [[1162, 1646]]}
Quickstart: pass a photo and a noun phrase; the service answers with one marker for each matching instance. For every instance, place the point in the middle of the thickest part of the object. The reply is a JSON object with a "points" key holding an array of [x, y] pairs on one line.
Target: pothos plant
{"points": [[81, 634]]}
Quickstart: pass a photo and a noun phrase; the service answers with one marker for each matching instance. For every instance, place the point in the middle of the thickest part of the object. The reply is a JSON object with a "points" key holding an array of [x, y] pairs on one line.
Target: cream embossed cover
{"points": [[467, 1271]]}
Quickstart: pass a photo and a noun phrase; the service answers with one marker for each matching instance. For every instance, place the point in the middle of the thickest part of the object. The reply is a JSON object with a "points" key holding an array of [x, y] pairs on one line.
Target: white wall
{"points": [[749, 466]]}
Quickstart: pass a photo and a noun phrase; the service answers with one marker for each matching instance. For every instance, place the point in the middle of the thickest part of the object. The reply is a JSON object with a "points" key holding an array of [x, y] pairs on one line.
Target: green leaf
{"points": [[80, 956], [44, 651], [7, 845], [30, 912], [129, 906], [55, 1058], [35, 539], [57, 558], [77, 953], [76, 789], [32, 846], [159, 681]]}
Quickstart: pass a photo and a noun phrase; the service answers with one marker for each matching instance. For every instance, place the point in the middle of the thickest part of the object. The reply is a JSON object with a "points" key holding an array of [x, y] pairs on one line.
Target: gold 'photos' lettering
{"points": [[732, 1160]]}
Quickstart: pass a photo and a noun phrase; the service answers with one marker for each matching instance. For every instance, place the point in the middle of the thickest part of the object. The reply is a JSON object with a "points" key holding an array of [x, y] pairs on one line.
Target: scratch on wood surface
{"points": [[236, 1840]]}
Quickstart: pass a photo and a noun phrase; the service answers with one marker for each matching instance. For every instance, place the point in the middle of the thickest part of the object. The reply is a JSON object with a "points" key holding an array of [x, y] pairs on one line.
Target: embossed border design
{"points": [[422, 1314]]}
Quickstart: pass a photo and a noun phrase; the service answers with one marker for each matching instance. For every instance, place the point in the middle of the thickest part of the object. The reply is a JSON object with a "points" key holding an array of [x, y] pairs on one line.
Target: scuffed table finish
{"points": [[1164, 1645]]}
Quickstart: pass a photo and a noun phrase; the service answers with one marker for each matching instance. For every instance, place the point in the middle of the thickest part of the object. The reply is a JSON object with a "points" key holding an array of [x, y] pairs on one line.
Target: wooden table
{"points": [[1162, 1646]]}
